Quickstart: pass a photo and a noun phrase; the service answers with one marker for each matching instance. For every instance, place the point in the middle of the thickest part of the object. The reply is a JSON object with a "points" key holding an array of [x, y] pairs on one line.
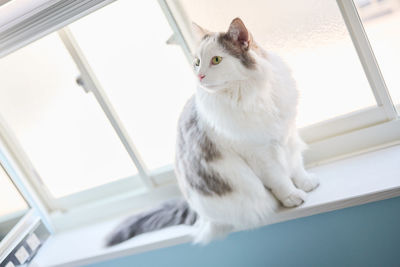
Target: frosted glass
{"points": [[147, 80], [12, 204], [62, 129], [311, 37], [381, 20], [11, 200]]}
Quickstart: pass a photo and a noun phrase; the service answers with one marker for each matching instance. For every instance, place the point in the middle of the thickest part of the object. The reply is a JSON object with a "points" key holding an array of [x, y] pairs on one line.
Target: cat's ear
{"points": [[238, 32], [199, 32]]}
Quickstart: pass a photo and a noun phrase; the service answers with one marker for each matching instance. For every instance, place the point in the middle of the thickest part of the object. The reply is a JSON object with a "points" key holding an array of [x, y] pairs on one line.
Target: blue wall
{"points": [[367, 235]]}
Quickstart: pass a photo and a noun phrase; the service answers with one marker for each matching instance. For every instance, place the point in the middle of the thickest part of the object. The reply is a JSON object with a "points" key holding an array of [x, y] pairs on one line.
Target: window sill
{"points": [[348, 182]]}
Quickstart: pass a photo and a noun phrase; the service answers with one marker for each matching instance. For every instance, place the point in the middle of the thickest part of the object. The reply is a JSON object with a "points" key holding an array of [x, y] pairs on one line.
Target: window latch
{"points": [[79, 81], [172, 40]]}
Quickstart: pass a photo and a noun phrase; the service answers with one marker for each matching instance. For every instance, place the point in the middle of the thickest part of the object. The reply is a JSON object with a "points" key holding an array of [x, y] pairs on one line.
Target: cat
{"points": [[238, 149]]}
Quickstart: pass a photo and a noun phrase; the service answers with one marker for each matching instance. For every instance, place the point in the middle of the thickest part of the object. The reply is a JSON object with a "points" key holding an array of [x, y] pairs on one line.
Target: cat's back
{"points": [[192, 138], [189, 129], [188, 135], [188, 113], [195, 153]]}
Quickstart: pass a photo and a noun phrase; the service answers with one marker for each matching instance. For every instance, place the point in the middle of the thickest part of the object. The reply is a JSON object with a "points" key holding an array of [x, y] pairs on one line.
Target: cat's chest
{"points": [[255, 126]]}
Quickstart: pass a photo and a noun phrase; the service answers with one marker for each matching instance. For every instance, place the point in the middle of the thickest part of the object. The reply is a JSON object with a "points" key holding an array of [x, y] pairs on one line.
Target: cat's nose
{"points": [[201, 76]]}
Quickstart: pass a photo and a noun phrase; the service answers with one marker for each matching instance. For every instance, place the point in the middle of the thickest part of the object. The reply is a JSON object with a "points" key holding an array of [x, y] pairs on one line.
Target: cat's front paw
{"points": [[294, 199], [308, 183]]}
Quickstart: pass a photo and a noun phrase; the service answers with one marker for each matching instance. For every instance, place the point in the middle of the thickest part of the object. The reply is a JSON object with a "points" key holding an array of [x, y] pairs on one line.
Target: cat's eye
{"points": [[216, 60], [197, 62]]}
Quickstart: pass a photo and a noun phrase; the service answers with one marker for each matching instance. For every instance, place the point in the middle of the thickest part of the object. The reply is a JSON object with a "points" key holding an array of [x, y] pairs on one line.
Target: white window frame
{"points": [[333, 137], [91, 84], [21, 172], [36, 215], [328, 140]]}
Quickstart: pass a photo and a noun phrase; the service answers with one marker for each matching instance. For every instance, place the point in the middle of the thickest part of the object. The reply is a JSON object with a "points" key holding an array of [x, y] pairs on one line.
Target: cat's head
{"points": [[223, 59]]}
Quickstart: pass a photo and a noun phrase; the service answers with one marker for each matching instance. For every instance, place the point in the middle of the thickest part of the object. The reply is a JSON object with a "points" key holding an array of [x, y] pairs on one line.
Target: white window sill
{"points": [[348, 182]]}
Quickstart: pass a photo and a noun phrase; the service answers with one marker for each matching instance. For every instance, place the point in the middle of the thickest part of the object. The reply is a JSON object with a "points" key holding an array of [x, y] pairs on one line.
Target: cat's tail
{"points": [[171, 212]]}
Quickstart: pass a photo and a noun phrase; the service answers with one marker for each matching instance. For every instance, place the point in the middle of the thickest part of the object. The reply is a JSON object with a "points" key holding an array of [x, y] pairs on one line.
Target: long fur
{"points": [[238, 151], [172, 212], [245, 106]]}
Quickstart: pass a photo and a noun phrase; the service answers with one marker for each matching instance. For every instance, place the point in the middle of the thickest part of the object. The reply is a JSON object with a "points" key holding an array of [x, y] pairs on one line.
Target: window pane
{"points": [[381, 19], [147, 80], [12, 204], [11, 200], [312, 38], [61, 128]]}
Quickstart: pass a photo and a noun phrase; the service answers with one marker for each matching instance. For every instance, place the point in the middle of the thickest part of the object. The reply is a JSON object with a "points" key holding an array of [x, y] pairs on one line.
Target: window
{"points": [[312, 38], [381, 20], [16, 205], [56, 122], [13, 206], [147, 80], [100, 99]]}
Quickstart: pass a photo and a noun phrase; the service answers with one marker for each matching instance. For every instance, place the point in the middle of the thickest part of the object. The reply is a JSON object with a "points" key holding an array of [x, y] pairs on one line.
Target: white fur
{"points": [[250, 115]]}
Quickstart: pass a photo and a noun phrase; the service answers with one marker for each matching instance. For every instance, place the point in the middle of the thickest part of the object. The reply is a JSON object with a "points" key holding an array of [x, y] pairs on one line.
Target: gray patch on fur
{"points": [[172, 212], [234, 49], [194, 153]]}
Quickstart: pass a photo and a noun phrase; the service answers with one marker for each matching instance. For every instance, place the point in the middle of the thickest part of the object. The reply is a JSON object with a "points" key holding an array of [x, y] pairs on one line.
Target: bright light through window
{"points": [[68, 137], [312, 38], [11, 202], [381, 19], [147, 80], [61, 128]]}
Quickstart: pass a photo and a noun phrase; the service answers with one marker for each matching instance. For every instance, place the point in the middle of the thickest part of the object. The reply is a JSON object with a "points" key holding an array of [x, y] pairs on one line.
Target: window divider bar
{"points": [[176, 29], [18, 167], [91, 82], [367, 57]]}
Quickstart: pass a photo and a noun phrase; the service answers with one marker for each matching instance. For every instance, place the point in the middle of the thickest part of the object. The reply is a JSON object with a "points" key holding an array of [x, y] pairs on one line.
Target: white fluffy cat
{"points": [[245, 105], [238, 147]]}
